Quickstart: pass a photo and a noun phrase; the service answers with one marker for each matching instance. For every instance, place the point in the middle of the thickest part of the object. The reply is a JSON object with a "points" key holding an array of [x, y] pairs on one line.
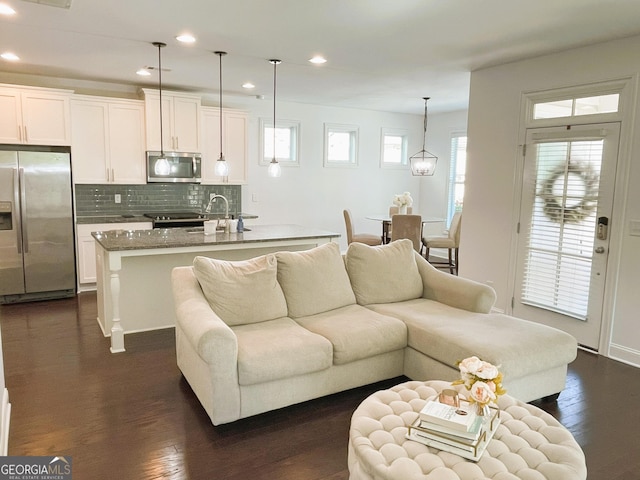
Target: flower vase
{"points": [[482, 409], [402, 210]]}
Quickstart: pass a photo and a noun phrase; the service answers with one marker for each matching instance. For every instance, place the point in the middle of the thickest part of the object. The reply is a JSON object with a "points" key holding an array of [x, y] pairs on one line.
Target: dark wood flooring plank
{"points": [[133, 416]]}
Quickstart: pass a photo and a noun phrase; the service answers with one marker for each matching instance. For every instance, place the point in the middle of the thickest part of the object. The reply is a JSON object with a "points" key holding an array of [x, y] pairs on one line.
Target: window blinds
{"points": [[561, 232]]}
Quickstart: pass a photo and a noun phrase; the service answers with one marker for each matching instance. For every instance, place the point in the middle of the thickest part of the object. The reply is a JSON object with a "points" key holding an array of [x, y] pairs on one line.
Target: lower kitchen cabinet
{"points": [[86, 249]]}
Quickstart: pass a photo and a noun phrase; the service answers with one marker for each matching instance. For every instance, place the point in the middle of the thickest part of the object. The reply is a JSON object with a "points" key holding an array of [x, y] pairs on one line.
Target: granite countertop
{"points": [[118, 240]]}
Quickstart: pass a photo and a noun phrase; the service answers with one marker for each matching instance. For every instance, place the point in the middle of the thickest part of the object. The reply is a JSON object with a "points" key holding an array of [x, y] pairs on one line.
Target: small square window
{"points": [[287, 133], [393, 148], [340, 145]]}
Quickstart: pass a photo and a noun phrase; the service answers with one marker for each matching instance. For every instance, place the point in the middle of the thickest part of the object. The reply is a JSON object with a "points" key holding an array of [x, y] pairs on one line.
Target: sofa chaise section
{"points": [[450, 320]]}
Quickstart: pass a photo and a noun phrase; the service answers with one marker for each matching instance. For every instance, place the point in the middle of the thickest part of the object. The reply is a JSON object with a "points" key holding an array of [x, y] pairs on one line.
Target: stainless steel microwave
{"points": [[174, 167]]}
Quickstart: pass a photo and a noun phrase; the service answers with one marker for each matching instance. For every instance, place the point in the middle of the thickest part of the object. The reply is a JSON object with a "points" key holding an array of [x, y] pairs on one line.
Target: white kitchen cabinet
{"points": [[180, 121], [34, 116], [107, 140], [234, 133], [86, 248]]}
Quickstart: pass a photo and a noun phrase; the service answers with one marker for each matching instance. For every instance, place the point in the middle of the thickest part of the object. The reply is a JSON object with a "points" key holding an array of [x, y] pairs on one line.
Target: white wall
{"points": [[315, 196], [490, 207]]}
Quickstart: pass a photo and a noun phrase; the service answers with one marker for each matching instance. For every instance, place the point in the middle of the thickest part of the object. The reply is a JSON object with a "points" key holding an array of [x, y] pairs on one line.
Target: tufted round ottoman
{"points": [[529, 443]]}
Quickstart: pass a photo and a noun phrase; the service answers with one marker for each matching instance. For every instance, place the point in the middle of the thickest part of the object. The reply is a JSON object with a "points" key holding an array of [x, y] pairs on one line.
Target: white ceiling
{"points": [[382, 54]]}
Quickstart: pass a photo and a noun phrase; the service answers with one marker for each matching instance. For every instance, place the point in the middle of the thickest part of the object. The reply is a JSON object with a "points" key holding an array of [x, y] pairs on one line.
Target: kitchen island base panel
{"points": [[134, 286]]}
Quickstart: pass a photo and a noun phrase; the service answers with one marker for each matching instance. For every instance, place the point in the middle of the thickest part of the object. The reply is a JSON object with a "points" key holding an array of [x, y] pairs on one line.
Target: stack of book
{"points": [[457, 430]]}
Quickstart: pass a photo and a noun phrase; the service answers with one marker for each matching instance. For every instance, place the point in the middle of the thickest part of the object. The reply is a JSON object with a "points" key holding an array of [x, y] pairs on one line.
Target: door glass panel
{"points": [[560, 240]]}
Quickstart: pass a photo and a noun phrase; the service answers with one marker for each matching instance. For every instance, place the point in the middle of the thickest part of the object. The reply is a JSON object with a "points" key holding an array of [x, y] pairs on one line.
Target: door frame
{"points": [[627, 88]]}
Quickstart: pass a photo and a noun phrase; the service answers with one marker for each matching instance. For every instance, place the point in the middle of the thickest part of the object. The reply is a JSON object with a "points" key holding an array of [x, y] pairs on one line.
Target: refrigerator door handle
{"points": [[23, 212], [16, 212]]}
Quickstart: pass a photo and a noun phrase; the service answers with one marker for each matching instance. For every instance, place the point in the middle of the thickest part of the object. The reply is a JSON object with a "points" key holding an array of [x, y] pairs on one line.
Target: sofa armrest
{"points": [[214, 341], [453, 290], [214, 377]]}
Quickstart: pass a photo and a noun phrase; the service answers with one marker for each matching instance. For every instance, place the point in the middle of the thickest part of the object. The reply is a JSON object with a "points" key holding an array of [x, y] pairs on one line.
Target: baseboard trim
{"points": [[623, 354]]}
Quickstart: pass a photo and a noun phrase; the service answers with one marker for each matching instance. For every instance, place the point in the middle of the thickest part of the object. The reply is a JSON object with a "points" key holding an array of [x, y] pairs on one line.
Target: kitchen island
{"points": [[134, 268]]}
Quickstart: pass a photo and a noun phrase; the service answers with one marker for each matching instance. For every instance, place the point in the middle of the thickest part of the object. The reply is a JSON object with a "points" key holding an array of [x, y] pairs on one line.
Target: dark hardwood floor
{"points": [[132, 415]]}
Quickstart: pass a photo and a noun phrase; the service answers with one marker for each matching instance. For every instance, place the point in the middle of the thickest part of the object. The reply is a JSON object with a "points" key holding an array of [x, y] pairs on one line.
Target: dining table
{"points": [[385, 219]]}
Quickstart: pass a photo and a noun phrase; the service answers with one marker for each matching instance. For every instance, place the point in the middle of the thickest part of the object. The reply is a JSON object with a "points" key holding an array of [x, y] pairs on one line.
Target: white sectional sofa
{"points": [[261, 334]]}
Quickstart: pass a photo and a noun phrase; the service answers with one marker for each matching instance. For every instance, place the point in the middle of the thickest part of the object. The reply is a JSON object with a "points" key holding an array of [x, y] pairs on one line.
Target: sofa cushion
{"points": [[384, 273], [242, 292], [314, 281], [279, 349], [357, 332], [449, 334]]}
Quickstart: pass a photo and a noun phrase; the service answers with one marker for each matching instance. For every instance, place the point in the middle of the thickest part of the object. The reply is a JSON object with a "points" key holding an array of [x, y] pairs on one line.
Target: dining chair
{"points": [[366, 238], [451, 242], [393, 210], [407, 226]]}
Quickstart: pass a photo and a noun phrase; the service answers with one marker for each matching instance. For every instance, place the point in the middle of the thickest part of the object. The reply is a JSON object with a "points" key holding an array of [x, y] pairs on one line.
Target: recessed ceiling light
{"points": [[6, 9], [248, 85], [186, 38], [144, 72], [318, 60], [12, 57]]}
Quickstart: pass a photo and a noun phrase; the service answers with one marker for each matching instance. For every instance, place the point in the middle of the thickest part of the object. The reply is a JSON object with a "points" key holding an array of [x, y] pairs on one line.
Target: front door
{"points": [[565, 224]]}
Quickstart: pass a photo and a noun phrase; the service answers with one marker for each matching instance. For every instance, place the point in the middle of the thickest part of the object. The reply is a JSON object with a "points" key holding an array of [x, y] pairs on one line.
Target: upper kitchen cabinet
{"points": [[107, 140], [234, 131], [180, 121], [34, 116]]}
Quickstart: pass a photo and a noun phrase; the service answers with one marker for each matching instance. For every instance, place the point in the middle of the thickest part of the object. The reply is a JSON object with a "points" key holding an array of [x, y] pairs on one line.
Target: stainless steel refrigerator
{"points": [[37, 251]]}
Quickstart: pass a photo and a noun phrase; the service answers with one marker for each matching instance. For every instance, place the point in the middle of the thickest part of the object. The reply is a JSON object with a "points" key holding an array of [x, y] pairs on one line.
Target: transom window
{"points": [[577, 106], [580, 105]]}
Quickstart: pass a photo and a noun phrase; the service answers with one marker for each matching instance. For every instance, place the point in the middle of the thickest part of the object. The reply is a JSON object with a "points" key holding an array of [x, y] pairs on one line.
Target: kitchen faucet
{"points": [[226, 210]]}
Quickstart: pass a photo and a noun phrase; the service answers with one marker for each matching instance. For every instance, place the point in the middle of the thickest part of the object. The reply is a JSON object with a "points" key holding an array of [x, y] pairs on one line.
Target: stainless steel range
{"points": [[176, 219]]}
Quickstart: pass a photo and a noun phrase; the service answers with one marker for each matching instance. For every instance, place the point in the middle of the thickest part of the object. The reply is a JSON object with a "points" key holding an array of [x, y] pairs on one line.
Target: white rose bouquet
{"points": [[403, 200], [483, 381]]}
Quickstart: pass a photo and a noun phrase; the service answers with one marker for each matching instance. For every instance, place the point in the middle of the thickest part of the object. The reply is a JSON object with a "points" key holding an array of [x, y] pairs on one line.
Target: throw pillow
{"points": [[384, 273], [314, 281], [242, 292]]}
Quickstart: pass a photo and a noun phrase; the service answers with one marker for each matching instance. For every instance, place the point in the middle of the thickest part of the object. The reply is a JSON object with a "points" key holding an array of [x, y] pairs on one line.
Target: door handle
{"points": [[23, 212], [599, 250], [603, 228], [16, 211]]}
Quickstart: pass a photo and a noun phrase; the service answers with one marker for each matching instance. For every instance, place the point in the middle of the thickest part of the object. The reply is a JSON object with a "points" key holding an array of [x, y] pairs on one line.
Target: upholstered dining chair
{"points": [[451, 242], [407, 226], [366, 238], [393, 210]]}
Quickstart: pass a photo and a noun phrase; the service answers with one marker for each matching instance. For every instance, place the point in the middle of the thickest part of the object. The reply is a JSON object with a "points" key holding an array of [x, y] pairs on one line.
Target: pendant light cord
{"points": [[424, 138], [275, 65], [220, 54], [160, 45]]}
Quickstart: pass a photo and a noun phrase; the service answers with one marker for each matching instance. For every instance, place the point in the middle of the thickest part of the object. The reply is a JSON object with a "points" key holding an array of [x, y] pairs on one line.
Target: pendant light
{"points": [[423, 163], [161, 165], [222, 167], [274, 167]]}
